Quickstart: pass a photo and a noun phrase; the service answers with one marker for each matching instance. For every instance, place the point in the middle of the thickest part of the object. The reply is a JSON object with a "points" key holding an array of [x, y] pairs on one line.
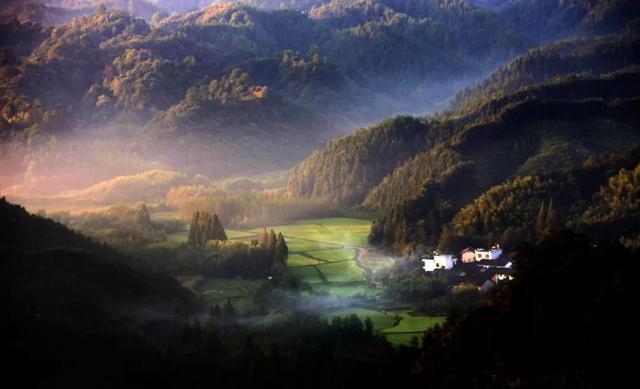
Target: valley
{"points": [[319, 193]]}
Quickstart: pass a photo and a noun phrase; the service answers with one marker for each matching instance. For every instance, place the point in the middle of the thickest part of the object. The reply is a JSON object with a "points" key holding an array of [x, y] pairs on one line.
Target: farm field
{"points": [[306, 273], [296, 260], [342, 272], [333, 255], [380, 320], [410, 327], [403, 332], [327, 255], [239, 291], [334, 231]]}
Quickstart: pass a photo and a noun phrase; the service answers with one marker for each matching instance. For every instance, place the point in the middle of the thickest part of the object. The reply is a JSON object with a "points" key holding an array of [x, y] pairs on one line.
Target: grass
{"points": [[348, 290], [379, 319], [416, 323], [240, 291], [306, 273], [178, 237], [342, 272], [300, 246], [334, 255], [237, 234], [340, 231], [403, 339], [410, 326], [296, 260]]}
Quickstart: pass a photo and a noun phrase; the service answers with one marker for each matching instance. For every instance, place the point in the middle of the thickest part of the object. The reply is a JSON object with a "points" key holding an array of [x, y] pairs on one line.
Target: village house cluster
{"points": [[488, 265]]}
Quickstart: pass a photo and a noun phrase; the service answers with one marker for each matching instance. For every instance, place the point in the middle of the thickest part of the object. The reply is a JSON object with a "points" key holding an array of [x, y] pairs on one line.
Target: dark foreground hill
{"points": [[70, 304]]}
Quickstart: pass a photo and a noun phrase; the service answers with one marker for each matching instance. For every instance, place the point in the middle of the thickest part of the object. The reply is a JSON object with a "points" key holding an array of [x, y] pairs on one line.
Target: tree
{"points": [[368, 326], [217, 229], [551, 215], [264, 239], [281, 251], [540, 226], [194, 229], [205, 228], [272, 243], [228, 309], [142, 216]]}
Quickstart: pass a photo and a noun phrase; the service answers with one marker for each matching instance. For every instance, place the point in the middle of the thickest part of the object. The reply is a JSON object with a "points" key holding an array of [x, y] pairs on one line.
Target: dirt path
{"points": [[360, 253]]}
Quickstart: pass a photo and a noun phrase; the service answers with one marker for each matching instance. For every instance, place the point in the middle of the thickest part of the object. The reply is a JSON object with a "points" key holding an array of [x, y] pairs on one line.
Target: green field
{"points": [[348, 290], [406, 329], [299, 245], [336, 231], [179, 237], [333, 255], [322, 252], [296, 260], [415, 323], [238, 234], [410, 326], [306, 273], [342, 272], [240, 291], [379, 319]]}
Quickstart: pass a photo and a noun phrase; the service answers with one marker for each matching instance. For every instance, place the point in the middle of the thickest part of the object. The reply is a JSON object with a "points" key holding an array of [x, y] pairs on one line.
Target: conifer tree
{"points": [[282, 251], [264, 239], [218, 231], [193, 229], [551, 215], [540, 226], [271, 245], [142, 216], [228, 310]]}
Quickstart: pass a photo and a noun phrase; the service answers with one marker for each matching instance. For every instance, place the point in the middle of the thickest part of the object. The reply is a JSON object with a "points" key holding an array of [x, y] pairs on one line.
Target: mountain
{"points": [[245, 89], [70, 303], [533, 116], [548, 20], [231, 89]]}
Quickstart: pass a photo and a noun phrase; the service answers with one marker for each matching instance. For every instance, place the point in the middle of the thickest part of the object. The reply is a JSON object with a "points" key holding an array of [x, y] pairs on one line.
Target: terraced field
{"points": [[330, 251], [399, 327], [330, 255]]}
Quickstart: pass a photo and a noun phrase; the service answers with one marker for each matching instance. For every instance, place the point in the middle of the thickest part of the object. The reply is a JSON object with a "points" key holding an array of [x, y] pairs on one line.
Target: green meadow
{"points": [[399, 327], [324, 253]]}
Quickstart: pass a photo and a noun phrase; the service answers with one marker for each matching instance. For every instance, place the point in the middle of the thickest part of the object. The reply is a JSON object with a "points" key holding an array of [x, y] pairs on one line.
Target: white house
{"points": [[444, 261], [493, 253], [429, 264]]}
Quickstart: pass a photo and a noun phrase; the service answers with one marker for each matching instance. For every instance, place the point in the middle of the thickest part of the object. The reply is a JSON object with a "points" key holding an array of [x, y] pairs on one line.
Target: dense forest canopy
{"points": [[545, 111], [297, 193], [301, 72]]}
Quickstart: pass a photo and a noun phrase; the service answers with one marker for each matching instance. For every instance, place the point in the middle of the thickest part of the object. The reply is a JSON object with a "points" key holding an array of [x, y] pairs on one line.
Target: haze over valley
{"points": [[313, 193]]}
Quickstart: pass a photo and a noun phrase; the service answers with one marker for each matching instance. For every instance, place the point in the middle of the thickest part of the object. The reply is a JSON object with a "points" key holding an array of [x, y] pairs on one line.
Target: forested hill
{"points": [[244, 89], [229, 88], [55, 274], [532, 116]]}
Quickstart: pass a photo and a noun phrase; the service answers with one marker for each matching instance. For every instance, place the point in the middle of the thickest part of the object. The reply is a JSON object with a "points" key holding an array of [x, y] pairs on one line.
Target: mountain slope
{"points": [[535, 115], [53, 272]]}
